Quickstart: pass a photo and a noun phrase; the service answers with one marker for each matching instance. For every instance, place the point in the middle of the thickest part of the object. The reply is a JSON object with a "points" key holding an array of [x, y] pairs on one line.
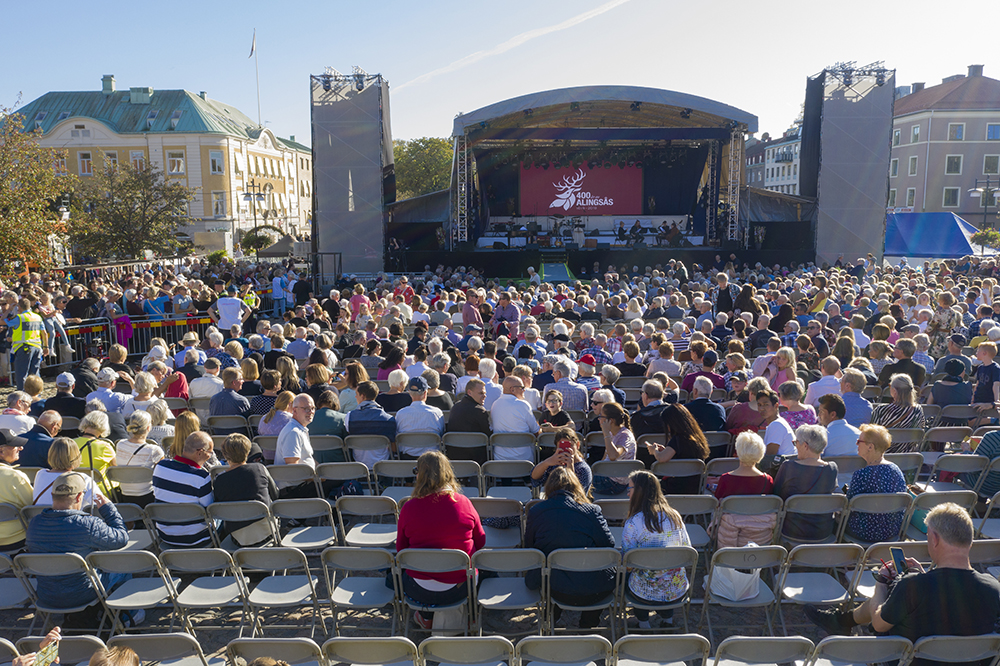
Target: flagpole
{"points": [[256, 67]]}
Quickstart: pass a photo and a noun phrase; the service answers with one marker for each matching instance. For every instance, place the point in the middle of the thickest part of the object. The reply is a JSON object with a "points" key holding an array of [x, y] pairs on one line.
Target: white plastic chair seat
{"points": [[362, 592], [140, 593], [507, 593], [520, 493], [398, 493], [813, 587], [698, 535], [931, 457], [557, 663], [469, 491], [210, 591], [502, 538], [913, 534], [311, 537], [372, 535], [283, 591], [764, 597], [866, 584], [635, 662]]}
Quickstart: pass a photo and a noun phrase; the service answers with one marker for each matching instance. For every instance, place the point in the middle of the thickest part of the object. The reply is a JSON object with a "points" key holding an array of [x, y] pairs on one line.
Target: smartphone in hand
{"points": [[898, 560]]}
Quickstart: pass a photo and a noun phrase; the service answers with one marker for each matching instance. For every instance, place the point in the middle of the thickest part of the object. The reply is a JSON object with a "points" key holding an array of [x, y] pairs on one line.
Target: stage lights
{"points": [[327, 82], [591, 164], [636, 106], [685, 113], [621, 165], [545, 165], [607, 165], [848, 78], [880, 78]]}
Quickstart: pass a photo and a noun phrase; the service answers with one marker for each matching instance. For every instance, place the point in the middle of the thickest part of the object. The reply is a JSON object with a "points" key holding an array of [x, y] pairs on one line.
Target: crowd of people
{"points": [[780, 358]]}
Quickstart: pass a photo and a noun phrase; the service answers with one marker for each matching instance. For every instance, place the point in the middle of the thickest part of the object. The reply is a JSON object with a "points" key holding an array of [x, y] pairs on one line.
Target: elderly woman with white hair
{"points": [[735, 530], [145, 385], [96, 451], [807, 474], [397, 396], [137, 451], [159, 413]]}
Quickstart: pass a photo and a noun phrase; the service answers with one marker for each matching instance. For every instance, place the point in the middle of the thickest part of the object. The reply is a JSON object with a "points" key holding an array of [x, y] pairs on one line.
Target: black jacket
{"points": [[560, 522], [469, 416], [86, 382], [67, 405]]}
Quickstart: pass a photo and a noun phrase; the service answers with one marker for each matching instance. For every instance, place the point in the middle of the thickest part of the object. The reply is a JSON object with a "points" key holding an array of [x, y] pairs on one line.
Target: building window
{"points": [[956, 131], [895, 137], [991, 165], [795, 169], [86, 164], [111, 160], [913, 165], [894, 168], [953, 165], [950, 199], [175, 162], [993, 132], [219, 204], [911, 197], [138, 159], [59, 166], [216, 162], [892, 199], [915, 134]]}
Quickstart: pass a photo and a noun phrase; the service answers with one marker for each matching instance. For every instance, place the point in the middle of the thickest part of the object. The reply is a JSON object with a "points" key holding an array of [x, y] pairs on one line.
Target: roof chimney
{"points": [[140, 95], [203, 95], [975, 70], [108, 84], [917, 87], [291, 137]]}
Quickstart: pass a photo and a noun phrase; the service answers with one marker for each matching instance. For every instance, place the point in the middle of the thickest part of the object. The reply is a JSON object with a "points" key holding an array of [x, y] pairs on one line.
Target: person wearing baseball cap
{"points": [[586, 367], [64, 528], [113, 400], [418, 417], [15, 489], [64, 401], [708, 363], [955, 344]]}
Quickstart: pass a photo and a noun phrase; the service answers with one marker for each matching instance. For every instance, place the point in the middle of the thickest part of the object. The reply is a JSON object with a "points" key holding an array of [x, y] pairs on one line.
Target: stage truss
{"points": [[733, 184], [462, 198]]}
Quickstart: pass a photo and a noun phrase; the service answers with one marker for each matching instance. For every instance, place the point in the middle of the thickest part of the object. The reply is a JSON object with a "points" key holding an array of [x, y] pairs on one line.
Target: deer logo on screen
{"points": [[567, 190]]}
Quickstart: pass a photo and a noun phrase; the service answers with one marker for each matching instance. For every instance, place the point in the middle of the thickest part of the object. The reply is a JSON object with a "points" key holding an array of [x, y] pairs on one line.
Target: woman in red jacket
{"points": [[437, 515]]}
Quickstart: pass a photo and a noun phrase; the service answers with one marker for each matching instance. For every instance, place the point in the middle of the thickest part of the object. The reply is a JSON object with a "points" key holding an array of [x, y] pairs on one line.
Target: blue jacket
{"points": [[370, 419], [709, 415], [36, 448], [70, 531], [560, 522]]}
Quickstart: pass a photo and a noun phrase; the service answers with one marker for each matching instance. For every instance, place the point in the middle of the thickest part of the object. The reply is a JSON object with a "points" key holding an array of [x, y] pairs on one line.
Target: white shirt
{"points": [[230, 309], [205, 387], [860, 339], [45, 479], [823, 386], [18, 424], [276, 291], [493, 391], [293, 442], [416, 369], [509, 414], [841, 439], [780, 433], [129, 454]]}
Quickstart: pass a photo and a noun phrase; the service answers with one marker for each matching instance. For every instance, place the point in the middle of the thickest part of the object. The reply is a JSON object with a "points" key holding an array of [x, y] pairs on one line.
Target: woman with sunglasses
{"points": [[619, 444], [567, 454]]}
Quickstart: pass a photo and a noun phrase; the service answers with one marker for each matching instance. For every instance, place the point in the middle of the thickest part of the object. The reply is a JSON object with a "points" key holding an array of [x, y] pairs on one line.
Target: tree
{"points": [[422, 166], [123, 211], [30, 189], [260, 237], [986, 238]]}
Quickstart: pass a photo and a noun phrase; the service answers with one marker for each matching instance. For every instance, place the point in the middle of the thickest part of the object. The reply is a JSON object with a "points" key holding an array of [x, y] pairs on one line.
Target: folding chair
{"points": [[370, 535], [495, 507], [720, 466], [359, 593], [140, 592], [293, 587], [958, 415], [563, 650], [378, 443], [956, 463], [162, 648], [306, 537], [200, 405], [70, 423], [346, 471], [229, 424], [42, 565], [818, 588], [642, 440], [268, 445], [945, 649], [206, 592], [746, 559], [508, 593], [293, 651], [762, 650], [846, 466], [513, 440], [30, 472], [861, 650], [658, 559], [8, 651], [73, 650], [459, 445], [287, 476], [753, 505], [630, 382], [29, 511], [992, 468], [674, 469], [864, 585], [942, 437], [662, 650], [871, 392], [401, 474], [906, 436], [473, 651], [882, 503], [433, 561], [468, 469], [255, 511], [515, 471], [989, 528], [932, 415], [180, 404], [581, 560], [927, 501], [615, 469], [162, 513], [818, 506], [908, 463], [615, 513], [719, 441], [395, 650], [12, 591], [418, 440], [699, 508], [326, 448]]}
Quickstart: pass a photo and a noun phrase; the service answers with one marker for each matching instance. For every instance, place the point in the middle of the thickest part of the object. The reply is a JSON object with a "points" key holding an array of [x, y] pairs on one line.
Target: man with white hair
{"points": [[574, 395], [512, 414], [15, 418], [488, 373], [531, 340], [711, 416], [300, 347], [86, 377]]}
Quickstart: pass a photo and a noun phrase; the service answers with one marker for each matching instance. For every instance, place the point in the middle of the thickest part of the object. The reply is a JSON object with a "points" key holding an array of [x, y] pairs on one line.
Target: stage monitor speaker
{"points": [[499, 245]]}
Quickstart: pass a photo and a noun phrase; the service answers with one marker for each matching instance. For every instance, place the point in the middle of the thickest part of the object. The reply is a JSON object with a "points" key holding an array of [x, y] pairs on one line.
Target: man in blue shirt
{"points": [[228, 402]]}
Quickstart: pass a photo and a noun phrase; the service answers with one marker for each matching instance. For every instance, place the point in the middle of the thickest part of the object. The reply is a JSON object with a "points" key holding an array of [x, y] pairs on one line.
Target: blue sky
{"points": [[445, 56]]}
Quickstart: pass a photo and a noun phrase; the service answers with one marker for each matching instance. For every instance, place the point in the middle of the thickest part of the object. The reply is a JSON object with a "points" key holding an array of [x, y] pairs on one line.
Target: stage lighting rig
{"points": [[850, 73], [636, 106], [686, 113], [360, 76]]}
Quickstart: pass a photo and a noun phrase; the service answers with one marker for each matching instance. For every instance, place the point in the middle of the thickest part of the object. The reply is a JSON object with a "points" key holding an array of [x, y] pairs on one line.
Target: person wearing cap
{"points": [[229, 310], [15, 489], [189, 341], [64, 402], [418, 416], [471, 331], [106, 381], [64, 528], [708, 363], [955, 344], [586, 367]]}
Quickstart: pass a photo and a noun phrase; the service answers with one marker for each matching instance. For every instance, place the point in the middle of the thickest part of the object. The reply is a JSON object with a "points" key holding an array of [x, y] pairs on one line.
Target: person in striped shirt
{"points": [[184, 480]]}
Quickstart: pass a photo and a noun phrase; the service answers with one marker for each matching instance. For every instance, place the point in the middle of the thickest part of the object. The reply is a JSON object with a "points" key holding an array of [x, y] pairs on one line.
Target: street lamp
{"points": [[257, 194], [987, 189]]}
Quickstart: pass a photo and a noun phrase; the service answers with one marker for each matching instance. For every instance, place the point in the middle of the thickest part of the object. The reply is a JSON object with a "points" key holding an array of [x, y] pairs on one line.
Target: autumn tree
{"points": [[30, 189], [123, 211], [422, 166]]}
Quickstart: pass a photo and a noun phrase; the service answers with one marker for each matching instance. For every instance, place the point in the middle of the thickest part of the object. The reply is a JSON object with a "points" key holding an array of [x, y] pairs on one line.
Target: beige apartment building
{"points": [[198, 141]]}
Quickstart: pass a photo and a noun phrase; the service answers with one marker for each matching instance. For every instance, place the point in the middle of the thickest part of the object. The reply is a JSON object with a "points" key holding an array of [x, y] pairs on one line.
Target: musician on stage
{"points": [[621, 232], [636, 232]]}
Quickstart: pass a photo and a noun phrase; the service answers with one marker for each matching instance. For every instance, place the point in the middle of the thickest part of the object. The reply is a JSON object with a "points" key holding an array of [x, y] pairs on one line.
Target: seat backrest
{"points": [[880, 551], [197, 559], [906, 462], [467, 650], [432, 560], [563, 649], [614, 510], [947, 434], [985, 551], [826, 555], [353, 558], [957, 411], [396, 469], [10, 512], [302, 509], [763, 649], [160, 647], [292, 474], [465, 440], [720, 466], [358, 650], [72, 649], [124, 561], [494, 507], [512, 439], [862, 649], [507, 469], [584, 559], [130, 474], [879, 502], [718, 437], [679, 468], [50, 564], [418, 439], [238, 511], [267, 442], [642, 440], [663, 649], [964, 498], [8, 651], [961, 463], [816, 504], [906, 435], [343, 471], [617, 468], [326, 443], [847, 464], [29, 511], [465, 468], [271, 559], [670, 557], [508, 559], [693, 505], [750, 505], [945, 648], [292, 650], [367, 442], [172, 514], [749, 557], [360, 505]]}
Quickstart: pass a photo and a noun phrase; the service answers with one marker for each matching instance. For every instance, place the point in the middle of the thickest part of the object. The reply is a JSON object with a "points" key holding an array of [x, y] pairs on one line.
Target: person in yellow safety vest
{"points": [[29, 342], [250, 296]]}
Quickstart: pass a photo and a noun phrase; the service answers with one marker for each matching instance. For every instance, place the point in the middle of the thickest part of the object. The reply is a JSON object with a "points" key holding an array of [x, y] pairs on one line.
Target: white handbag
{"points": [[733, 584]]}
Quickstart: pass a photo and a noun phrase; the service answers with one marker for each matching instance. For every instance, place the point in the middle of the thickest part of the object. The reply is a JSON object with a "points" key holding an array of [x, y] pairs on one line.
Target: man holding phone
{"points": [[952, 599]]}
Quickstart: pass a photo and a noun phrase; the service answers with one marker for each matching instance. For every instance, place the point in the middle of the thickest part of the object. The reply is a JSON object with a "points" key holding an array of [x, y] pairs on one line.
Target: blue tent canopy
{"points": [[934, 235]]}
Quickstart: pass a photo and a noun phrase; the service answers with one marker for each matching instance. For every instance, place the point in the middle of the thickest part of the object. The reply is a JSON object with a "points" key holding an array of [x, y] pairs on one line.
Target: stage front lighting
{"points": [[545, 166], [880, 78], [327, 83]]}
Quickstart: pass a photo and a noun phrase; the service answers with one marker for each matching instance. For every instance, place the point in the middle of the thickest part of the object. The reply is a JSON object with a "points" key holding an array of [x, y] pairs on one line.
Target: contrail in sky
{"points": [[513, 42]]}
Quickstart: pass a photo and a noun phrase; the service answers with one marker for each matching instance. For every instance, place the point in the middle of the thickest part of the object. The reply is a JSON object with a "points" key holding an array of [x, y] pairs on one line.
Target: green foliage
{"points": [[217, 257], [124, 211], [986, 238], [29, 187], [422, 166], [263, 236]]}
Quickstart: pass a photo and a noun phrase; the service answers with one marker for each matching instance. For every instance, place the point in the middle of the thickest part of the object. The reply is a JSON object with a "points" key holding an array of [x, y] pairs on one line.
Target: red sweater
{"points": [[440, 521]]}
